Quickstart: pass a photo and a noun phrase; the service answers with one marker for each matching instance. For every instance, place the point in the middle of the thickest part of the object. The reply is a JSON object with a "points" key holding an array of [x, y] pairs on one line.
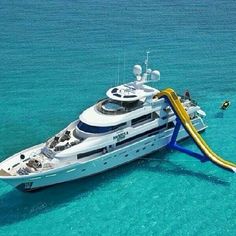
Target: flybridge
{"points": [[131, 92]]}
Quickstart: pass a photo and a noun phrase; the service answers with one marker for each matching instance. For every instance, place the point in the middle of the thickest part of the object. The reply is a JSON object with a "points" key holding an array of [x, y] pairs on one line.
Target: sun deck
{"points": [[112, 107]]}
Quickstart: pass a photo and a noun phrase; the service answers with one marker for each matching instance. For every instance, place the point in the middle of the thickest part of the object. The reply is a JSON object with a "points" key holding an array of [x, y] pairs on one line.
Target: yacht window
{"points": [[117, 95], [81, 155], [114, 90], [97, 129], [141, 119], [112, 107], [141, 135], [130, 96], [170, 125]]}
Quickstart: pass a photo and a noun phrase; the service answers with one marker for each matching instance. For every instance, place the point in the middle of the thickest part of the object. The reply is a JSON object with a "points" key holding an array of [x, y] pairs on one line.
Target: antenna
{"points": [[118, 71], [146, 61], [124, 69]]}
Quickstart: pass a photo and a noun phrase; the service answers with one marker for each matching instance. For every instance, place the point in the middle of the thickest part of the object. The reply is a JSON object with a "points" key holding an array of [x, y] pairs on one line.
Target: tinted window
{"points": [[148, 133], [141, 119], [117, 95], [97, 129], [170, 125], [81, 155], [114, 90], [130, 96]]}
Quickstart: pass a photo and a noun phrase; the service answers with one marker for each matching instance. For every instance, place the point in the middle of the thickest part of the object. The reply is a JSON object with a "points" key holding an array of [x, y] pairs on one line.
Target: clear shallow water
{"points": [[57, 58]]}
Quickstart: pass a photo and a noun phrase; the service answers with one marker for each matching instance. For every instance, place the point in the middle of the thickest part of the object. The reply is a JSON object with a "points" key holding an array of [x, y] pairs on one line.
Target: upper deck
{"points": [[124, 102], [131, 92], [113, 107], [114, 110]]}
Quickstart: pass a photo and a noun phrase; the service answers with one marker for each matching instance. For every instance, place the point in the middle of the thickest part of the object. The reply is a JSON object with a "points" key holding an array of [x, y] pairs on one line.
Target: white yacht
{"points": [[130, 123]]}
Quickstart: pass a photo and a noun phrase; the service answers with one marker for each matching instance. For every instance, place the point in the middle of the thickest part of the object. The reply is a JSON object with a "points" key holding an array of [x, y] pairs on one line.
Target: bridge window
{"points": [[97, 129]]}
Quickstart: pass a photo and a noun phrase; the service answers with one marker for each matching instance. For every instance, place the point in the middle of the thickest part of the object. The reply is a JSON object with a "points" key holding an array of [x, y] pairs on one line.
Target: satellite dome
{"points": [[137, 70], [155, 75], [149, 71]]}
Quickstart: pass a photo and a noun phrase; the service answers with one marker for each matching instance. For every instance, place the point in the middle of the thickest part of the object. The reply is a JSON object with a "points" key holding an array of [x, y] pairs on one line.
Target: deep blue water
{"points": [[59, 57]]}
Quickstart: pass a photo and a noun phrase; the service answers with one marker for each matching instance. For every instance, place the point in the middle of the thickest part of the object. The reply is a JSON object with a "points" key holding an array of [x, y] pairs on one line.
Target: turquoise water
{"points": [[58, 57]]}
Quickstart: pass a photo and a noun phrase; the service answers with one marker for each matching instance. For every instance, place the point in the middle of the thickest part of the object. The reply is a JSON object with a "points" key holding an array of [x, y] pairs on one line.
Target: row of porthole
{"points": [[126, 155], [52, 175], [144, 148]]}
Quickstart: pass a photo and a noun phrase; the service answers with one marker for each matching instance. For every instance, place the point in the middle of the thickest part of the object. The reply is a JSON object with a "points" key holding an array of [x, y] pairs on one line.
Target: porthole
{"points": [[47, 176], [68, 171], [36, 178]]}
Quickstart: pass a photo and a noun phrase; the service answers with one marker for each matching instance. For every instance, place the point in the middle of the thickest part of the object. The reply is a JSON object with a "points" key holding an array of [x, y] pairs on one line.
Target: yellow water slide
{"points": [[180, 112]]}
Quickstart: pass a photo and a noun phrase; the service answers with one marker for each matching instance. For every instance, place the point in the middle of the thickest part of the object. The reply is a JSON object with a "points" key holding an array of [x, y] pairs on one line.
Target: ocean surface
{"points": [[59, 57]]}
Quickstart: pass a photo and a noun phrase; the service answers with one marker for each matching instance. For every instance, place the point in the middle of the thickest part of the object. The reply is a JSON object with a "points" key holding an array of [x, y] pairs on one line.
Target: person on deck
{"points": [[187, 95]]}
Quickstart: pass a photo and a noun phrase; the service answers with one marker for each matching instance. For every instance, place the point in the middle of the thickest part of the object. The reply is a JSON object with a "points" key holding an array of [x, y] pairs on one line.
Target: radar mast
{"points": [[148, 76]]}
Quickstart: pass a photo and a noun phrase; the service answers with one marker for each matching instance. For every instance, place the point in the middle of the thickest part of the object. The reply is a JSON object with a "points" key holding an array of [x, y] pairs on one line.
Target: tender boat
{"points": [[225, 105]]}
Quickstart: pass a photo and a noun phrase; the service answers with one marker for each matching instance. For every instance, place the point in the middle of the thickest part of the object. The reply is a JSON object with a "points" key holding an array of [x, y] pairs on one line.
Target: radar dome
{"points": [[155, 75], [137, 70], [149, 71]]}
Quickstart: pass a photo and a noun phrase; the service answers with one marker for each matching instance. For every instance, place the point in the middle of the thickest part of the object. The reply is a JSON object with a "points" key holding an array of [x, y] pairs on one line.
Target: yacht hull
{"points": [[101, 163]]}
